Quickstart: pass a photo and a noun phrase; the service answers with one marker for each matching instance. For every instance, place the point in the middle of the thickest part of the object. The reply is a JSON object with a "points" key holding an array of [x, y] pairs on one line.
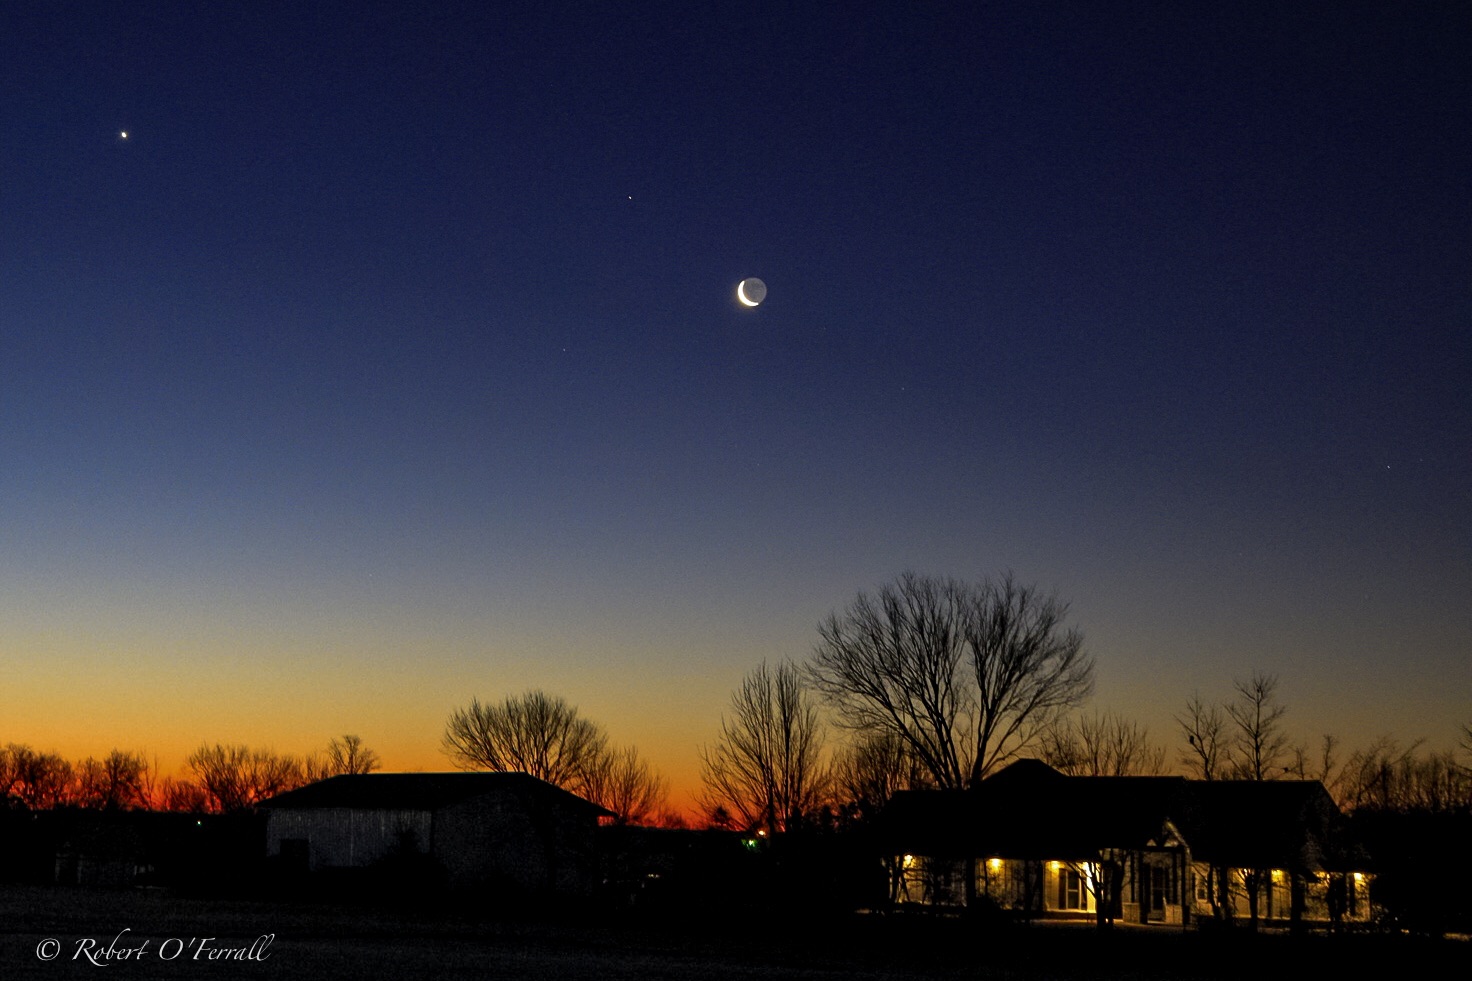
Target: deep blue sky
{"points": [[393, 358]]}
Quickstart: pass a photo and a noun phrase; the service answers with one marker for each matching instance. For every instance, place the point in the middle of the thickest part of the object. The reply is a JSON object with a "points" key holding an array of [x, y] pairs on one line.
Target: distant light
{"points": [[123, 135], [761, 834]]}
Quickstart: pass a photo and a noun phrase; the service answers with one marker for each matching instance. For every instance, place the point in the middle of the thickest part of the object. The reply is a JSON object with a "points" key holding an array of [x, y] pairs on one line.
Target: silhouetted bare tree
{"points": [[36, 780], [1102, 745], [1257, 753], [766, 767], [870, 771], [624, 783], [965, 674], [1205, 729], [344, 756], [183, 796], [534, 733], [119, 781], [1322, 766], [234, 778], [1260, 745], [1390, 777], [8, 777]]}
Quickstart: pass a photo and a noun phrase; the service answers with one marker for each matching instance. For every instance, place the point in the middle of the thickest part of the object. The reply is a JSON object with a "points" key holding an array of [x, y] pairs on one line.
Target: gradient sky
{"points": [[393, 358]]}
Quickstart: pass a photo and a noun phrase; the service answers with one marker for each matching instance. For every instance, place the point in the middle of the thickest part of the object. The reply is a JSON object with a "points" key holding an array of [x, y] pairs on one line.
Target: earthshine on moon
{"points": [[751, 292]]}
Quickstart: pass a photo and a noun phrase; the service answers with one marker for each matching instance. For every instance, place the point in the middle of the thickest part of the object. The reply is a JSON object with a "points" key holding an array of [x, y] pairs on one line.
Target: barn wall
{"points": [[518, 841], [340, 837]]}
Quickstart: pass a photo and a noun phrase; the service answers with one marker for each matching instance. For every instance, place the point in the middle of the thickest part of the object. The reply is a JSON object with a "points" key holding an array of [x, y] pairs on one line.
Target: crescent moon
{"points": [[751, 291]]}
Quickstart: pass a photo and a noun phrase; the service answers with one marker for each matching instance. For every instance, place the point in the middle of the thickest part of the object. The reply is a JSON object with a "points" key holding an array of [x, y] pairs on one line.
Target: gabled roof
{"points": [[1034, 810], [421, 791]]}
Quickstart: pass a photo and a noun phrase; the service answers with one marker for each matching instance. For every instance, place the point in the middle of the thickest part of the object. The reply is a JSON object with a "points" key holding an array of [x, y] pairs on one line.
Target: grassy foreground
{"points": [[179, 934]]}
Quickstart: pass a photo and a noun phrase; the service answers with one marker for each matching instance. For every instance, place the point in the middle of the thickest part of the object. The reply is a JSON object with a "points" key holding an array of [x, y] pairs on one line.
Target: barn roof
{"points": [[421, 791]]}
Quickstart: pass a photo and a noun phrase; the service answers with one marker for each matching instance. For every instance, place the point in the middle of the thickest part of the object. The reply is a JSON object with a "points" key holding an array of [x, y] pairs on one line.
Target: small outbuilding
{"points": [[508, 834]]}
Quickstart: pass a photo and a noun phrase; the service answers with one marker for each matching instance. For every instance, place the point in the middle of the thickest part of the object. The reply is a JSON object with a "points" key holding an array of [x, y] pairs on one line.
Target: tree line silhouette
{"points": [[928, 682], [219, 779]]}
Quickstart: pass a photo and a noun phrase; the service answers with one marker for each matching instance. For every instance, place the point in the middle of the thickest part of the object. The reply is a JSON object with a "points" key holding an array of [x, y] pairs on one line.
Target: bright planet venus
{"points": [[751, 292]]}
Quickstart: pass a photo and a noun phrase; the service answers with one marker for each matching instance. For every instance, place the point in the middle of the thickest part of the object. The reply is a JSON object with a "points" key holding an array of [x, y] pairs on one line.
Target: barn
{"points": [[508, 832]]}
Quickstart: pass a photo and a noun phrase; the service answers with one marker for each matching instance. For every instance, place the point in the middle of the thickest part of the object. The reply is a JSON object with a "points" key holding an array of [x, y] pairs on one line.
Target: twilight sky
{"points": [[393, 358]]}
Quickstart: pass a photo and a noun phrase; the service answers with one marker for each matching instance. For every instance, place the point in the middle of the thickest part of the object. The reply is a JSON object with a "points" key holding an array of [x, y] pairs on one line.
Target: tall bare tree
{"points": [[1102, 745], [1261, 746], [534, 733], [766, 767], [1205, 729], [964, 674]]}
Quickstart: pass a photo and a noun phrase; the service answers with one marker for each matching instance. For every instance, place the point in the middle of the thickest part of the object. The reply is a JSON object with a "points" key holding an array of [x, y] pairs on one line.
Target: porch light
{"points": [[909, 860], [1277, 875], [994, 864], [1359, 877], [1055, 866]]}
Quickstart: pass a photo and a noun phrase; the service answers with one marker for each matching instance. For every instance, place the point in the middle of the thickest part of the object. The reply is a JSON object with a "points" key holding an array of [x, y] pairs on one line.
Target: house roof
{"points": [[420, 791], [1270, 824], [1030, 810]]}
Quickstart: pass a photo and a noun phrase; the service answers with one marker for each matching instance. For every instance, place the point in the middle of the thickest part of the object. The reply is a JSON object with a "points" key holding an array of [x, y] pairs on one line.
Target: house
{"points": [[508, 832], [1273, 850], [1035, 842]]}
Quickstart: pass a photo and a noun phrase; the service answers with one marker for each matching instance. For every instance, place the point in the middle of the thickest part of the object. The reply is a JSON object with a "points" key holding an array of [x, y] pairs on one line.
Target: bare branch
{"points": [[1104, 745], [535, 733], [1261, 745], [625, 783], [766, 768], [964, 675], [234, 778], [1205, 730]]}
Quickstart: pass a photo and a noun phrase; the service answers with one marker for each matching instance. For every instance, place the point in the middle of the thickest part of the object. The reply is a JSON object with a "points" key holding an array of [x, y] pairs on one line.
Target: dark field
{"points": [[337, 942]]}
